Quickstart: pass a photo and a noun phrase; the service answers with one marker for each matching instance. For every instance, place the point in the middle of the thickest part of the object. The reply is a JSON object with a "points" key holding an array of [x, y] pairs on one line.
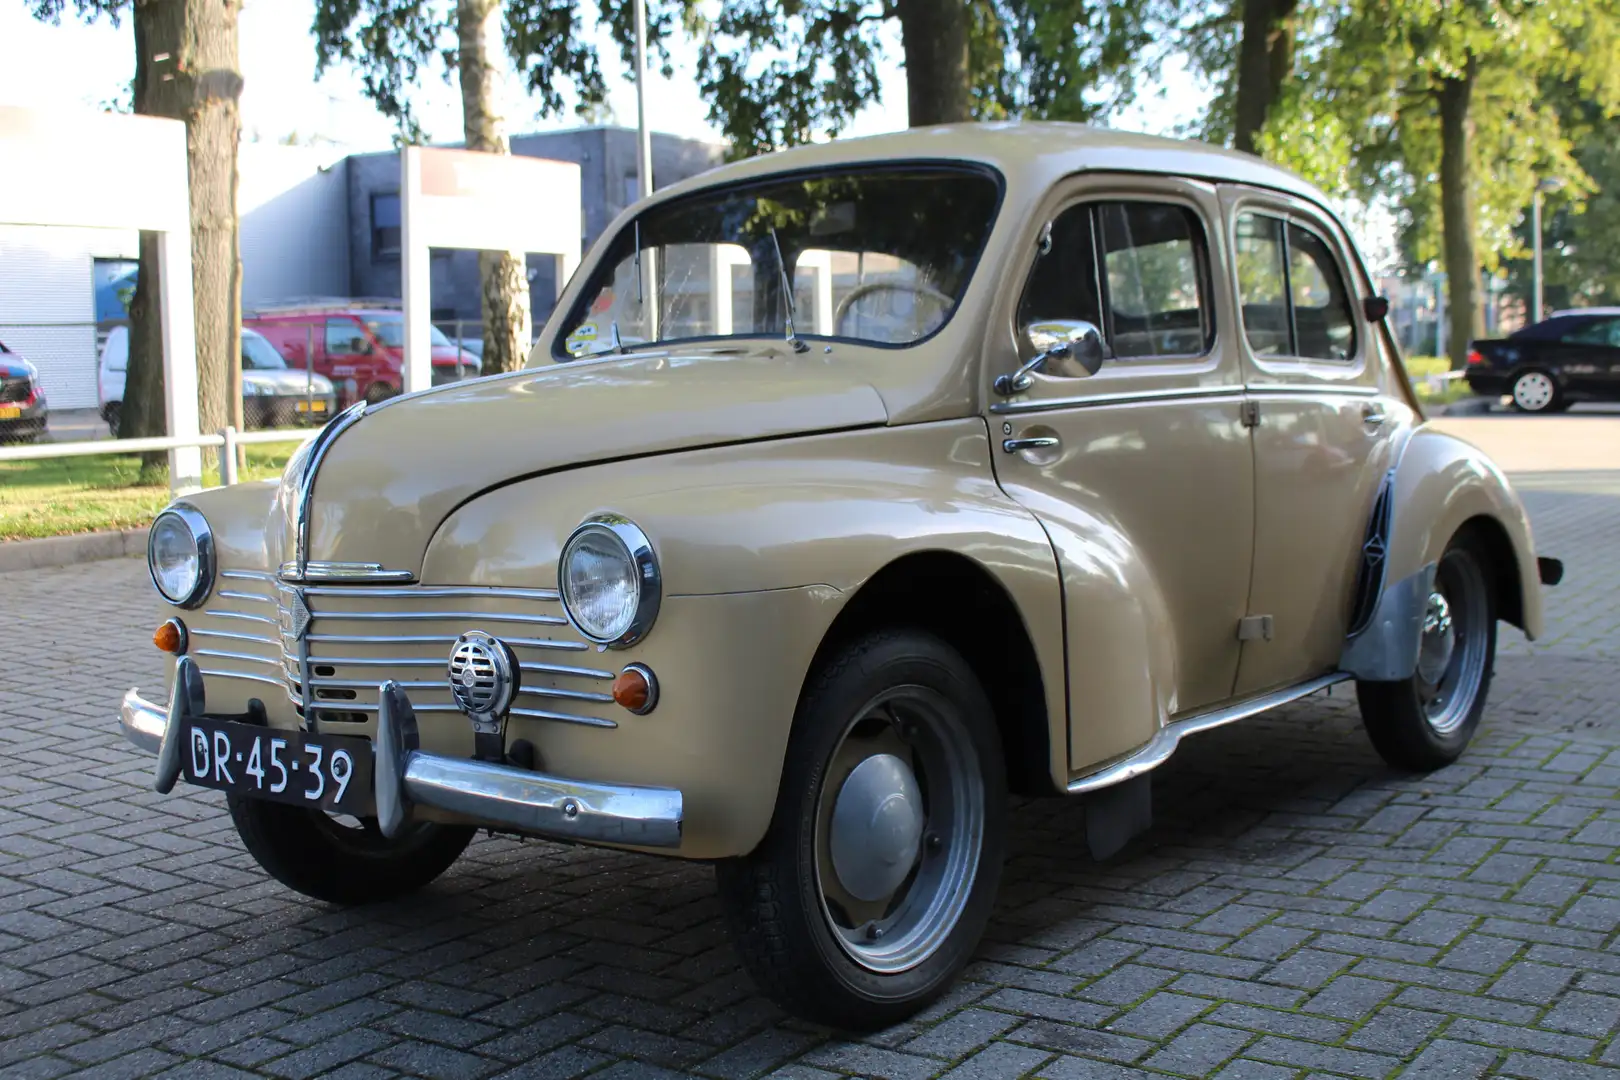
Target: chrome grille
{"points": [[358, 637]]}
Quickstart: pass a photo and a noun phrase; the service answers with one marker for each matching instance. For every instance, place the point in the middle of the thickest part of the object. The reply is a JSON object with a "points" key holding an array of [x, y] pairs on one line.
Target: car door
{"points": [[1141, 473], [1588, 356], [1323, 432]]}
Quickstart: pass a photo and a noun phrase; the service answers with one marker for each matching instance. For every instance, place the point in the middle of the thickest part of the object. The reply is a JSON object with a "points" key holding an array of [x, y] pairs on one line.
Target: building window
{"points": [[385, 234]]}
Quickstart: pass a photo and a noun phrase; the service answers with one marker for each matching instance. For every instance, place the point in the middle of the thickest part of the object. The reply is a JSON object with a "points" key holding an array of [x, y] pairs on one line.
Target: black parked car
{"points": [[22, 399], [1573, 356]]}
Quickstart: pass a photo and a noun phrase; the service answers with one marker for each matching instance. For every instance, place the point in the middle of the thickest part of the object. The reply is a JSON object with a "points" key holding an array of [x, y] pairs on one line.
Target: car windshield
{"points": [[390, 330], [258, 354], [880, 256]]}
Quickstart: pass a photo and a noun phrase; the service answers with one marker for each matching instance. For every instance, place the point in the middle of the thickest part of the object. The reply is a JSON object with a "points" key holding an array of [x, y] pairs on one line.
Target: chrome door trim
{"points": [[1163, 744], [1127, 397], [1318, 389]]}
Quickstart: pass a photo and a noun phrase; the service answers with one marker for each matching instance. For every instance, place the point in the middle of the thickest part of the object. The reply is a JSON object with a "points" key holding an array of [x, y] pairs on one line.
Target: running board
{"points": [[1163, 744]]}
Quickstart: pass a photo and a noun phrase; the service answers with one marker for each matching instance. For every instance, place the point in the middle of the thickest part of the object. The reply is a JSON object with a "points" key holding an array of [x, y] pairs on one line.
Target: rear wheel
{"points": [[1535, 391], [343, 860], [872, 887], [1426, 721]]}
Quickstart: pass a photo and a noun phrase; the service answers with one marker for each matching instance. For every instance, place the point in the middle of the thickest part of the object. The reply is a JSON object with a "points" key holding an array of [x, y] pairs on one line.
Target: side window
{"points": [[1322, 318], [1294, 299], [344, 338], [1597, 332], [1135, 270]]}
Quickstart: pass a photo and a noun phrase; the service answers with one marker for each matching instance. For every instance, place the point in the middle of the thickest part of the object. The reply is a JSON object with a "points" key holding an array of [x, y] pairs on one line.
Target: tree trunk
{"points": [[186, 69], [503, 274], [934, 35], [1458, 215], [1265, 60]]}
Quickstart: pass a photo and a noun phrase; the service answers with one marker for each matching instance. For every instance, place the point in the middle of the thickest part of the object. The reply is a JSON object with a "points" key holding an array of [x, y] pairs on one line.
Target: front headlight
{"points": [[180, 555], [609, 580]]}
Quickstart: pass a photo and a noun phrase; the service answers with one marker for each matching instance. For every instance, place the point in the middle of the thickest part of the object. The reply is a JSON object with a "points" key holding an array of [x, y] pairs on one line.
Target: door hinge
{"points": [[1254, 628], [1251, 413]]}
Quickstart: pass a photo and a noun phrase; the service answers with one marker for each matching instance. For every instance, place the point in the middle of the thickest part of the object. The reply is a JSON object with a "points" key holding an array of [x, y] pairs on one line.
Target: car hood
{"points": [[286, 381], [386, 482]]}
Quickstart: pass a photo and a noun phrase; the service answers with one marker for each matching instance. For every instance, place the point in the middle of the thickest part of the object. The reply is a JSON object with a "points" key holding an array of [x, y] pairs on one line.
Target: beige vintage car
{"points": [[848, 490]]}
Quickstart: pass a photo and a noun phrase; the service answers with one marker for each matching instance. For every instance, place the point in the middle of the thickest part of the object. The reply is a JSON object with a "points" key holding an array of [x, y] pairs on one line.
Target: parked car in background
{"points": [[1078, 444], [273, 395], [23, 411], [1572, 356], [361, 350]]}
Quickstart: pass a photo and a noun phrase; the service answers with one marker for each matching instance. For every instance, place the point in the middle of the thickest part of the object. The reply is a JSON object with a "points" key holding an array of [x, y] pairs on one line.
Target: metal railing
{"points": [[228, 439]]}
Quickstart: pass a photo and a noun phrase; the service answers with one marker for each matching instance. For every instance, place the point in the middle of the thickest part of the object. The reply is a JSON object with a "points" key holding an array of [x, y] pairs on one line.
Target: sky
{"points": [[93, 64]]}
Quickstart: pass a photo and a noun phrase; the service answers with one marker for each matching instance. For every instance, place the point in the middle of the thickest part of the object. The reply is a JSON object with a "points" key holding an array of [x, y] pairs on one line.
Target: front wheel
{"points": [[874, 883], [1535, 391], [1426, 721], [343, 861]]}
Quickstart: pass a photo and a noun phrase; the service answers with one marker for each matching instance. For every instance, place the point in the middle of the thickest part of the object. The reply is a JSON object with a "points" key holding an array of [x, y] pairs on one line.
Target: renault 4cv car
{"points": [[847, 491]]}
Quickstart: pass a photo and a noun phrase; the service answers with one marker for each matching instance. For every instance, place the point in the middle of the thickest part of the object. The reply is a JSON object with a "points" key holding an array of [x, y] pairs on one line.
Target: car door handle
{"points": [[1038, 442], [1373, 415]]}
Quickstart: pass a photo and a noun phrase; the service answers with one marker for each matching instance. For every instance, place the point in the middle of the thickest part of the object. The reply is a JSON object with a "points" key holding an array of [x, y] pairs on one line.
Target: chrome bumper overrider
{"points": [[498, 796]]}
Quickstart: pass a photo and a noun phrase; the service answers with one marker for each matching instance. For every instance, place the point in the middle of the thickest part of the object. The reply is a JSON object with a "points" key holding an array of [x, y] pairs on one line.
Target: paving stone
{"points": [[1295, 895]]}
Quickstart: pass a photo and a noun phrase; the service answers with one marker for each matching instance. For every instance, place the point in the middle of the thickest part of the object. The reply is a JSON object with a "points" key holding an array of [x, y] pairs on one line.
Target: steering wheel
{"points": [[859, 292]]}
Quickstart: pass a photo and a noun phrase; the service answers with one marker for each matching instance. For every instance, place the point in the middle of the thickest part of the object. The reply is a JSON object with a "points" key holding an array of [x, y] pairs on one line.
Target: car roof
{"points": [[1586, 311], [1037, 150]]}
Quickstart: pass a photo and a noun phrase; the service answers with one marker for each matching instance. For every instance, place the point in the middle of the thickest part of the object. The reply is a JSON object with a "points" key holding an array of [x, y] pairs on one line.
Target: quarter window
{"points": [[1136, 270], [1294, 299]]}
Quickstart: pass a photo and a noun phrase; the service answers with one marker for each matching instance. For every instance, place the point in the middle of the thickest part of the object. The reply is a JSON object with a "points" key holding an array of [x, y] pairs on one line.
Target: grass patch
{"points": [[1418, 367], [56, 496]]}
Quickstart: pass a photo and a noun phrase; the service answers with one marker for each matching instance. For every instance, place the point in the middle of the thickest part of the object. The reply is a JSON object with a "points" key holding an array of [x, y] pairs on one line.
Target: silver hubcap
{"points": [[899, 826], [1533, 391], [1451, 653]]}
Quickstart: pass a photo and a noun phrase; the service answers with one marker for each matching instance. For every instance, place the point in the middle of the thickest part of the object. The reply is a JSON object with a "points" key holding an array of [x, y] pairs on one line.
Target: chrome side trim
{"points": [[1129, 397], [213, 674], [432, 591], [231, 636], [306, 483], [1164, 742], [240, 615], [354, 573], [221, 654], [426, 616], [438, 639], [248, 575], [1315, 390], [232, 594], [432, 662]]}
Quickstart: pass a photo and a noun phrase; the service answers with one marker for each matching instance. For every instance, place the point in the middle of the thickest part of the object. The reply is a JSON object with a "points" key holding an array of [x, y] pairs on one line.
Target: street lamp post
{"points": [[1551, 183]]}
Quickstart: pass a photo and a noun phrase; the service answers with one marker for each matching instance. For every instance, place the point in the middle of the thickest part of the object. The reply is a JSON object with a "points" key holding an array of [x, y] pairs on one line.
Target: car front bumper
{"points": [[485, 793]]}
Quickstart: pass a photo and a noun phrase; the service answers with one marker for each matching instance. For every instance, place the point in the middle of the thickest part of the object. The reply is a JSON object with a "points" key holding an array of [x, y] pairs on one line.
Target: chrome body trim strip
{"points": [[427, 616], [243, 615], [499, 796], [437, 639], [215, 674], [1129, 397], [221, 654], [1164, 742], [354, 573], [306, 482], [248, 575], [232, 594], [434, 591], [1315, 390], [230, 635], [428, 661], [324, 705]]}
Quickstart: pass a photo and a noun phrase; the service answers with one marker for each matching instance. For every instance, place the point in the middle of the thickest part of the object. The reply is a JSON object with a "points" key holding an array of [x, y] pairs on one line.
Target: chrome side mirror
{"points": [[1072, 339]]}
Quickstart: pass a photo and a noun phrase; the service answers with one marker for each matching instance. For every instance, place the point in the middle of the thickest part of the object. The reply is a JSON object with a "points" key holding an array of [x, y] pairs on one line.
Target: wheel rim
{"points": [[1533, 391], [1451, 650], [899, 827]]}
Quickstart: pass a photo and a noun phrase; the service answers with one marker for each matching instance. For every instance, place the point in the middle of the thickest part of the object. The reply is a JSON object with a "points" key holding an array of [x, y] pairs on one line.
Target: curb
{"points": [[70, 550]]}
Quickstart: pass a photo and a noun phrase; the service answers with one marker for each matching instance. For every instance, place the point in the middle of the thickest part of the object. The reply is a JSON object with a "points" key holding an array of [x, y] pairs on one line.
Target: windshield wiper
{"points": [[787, 295]]}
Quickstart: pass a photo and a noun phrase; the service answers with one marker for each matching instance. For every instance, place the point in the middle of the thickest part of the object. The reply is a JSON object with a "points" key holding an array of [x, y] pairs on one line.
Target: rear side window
{"points": [[1294, 298], [1137, 270], [344, 337]]}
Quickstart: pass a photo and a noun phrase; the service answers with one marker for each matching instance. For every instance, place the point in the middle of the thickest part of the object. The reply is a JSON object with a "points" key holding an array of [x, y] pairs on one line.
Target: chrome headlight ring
{"points": [[202, 537], [641, 562]]}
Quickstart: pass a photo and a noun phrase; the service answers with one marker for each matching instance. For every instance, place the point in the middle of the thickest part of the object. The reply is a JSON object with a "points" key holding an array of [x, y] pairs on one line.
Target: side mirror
{"points": [[1375, 308], [1070, 339]]}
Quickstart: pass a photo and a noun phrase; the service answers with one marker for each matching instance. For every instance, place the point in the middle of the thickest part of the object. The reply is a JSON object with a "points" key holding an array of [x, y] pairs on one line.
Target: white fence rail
{"points": [[229, 439]]}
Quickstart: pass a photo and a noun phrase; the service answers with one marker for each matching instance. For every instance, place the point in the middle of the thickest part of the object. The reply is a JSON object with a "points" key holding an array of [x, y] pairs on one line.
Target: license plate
{"points": [[332, 772], [312, 406], [10, 412]]}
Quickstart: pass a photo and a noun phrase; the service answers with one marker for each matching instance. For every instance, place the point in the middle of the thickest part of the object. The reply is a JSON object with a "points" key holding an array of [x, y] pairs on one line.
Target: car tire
{"points": [[1536, 392], [1426, 721], [323, 857], [815, 910], [115, 418]]}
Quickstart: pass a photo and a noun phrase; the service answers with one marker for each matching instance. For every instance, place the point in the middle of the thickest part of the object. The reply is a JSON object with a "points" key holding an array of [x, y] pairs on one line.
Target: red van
{"points": [[362, 350]]}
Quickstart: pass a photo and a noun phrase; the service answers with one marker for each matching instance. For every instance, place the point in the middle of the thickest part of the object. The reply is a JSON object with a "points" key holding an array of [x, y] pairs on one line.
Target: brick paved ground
{"points": [[1298, 910]]}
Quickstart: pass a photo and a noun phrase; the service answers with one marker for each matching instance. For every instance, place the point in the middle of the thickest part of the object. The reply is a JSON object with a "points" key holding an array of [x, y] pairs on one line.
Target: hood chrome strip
{"points": [[306, 483]]}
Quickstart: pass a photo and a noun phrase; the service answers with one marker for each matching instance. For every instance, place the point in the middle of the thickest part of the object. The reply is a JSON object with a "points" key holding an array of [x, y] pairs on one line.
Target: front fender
{"points": [[1442, 483], [807, 521]]}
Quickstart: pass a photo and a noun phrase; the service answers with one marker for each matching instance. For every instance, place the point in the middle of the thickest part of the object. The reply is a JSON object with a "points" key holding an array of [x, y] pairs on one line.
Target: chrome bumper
{"points": [[496, 796]]}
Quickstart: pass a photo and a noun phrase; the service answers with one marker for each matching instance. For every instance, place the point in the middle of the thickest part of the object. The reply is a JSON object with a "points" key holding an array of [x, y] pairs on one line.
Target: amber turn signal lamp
{"points": [[171, 637], [636, 688]]}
